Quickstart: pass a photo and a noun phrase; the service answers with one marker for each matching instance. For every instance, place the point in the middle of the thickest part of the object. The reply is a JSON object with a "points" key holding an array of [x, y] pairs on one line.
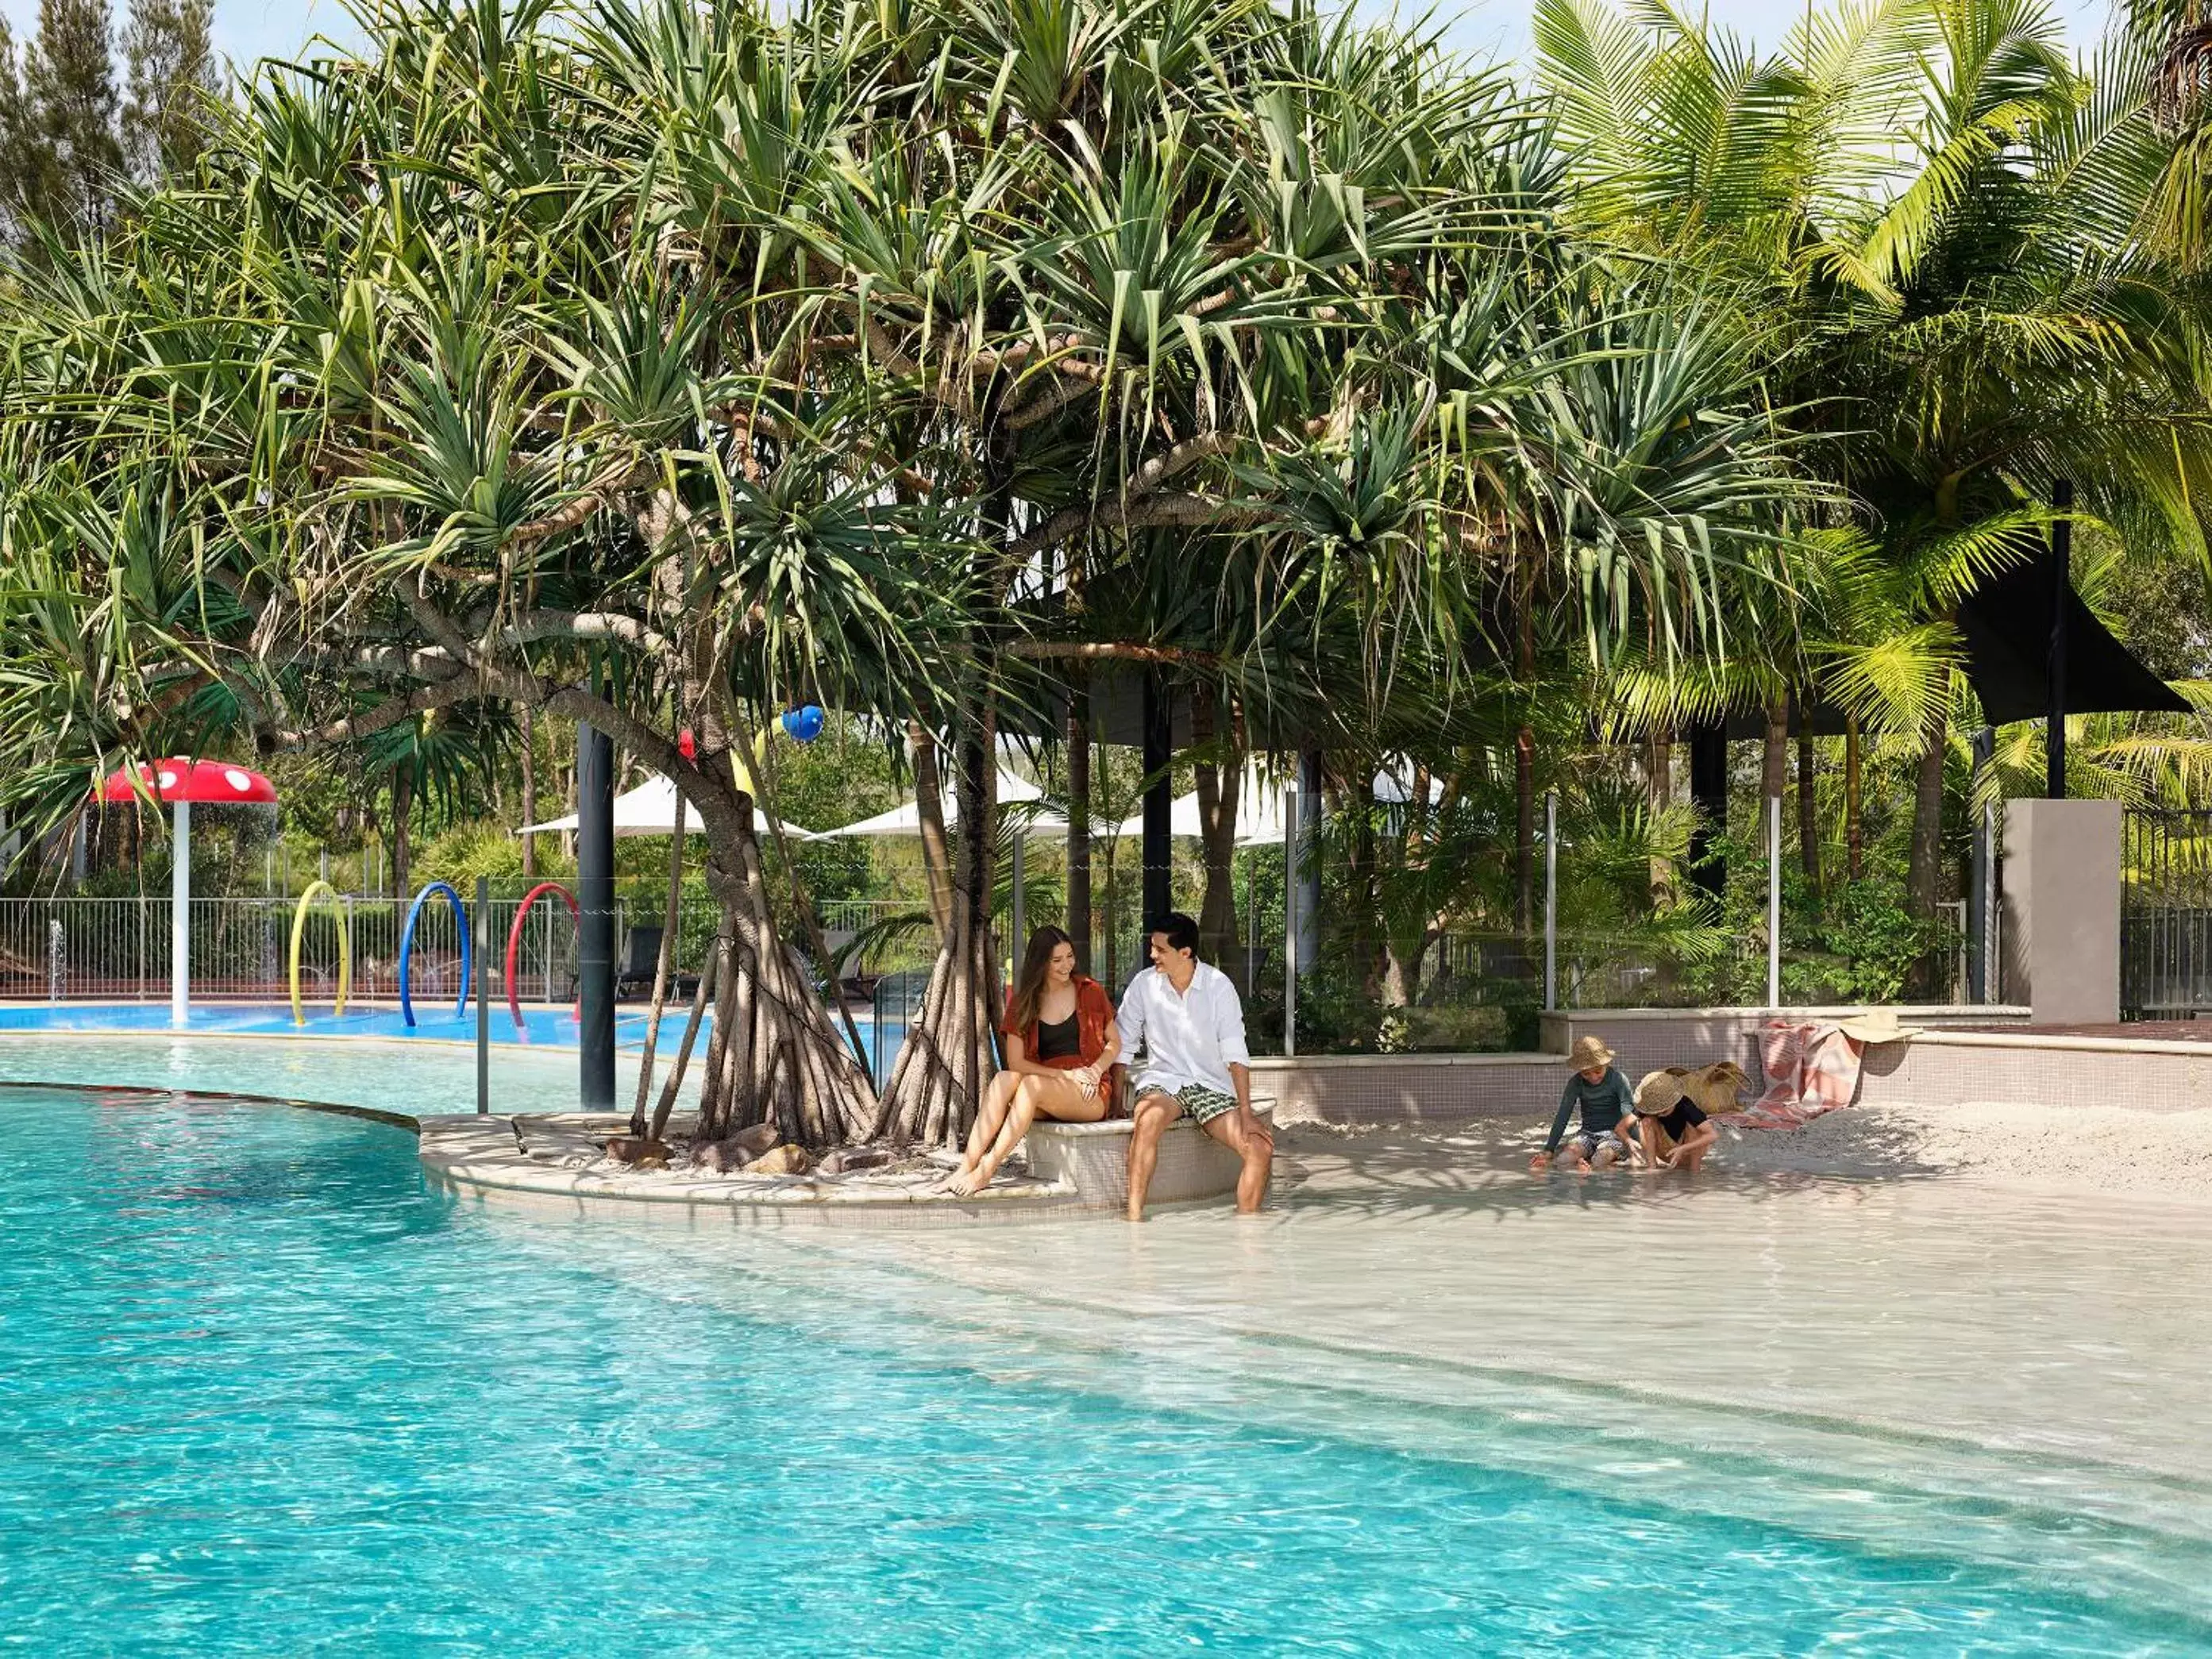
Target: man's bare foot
{"points": [[1135, 1215]]}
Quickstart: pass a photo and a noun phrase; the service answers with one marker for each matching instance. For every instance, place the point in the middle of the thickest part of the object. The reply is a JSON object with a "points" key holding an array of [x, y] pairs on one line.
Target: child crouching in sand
{"points": [[1671, 1130], [1602, 1093]]}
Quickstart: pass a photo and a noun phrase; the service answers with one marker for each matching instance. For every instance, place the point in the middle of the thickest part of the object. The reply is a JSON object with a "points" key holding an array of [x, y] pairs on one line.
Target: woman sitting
{"points": [[1061, 1046]]}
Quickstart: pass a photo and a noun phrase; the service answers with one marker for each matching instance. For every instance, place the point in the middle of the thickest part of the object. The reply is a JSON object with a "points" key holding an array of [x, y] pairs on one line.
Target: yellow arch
{"points": [[321, 889]]}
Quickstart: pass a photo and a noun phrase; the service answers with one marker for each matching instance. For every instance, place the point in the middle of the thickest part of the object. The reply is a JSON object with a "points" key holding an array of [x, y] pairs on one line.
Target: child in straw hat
{"points": [[1599, 1089], [1671, 1130]]}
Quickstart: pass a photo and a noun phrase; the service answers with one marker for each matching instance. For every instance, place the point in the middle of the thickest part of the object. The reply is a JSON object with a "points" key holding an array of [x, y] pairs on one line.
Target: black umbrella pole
{"points": [[2061, 590], [595, 900]]}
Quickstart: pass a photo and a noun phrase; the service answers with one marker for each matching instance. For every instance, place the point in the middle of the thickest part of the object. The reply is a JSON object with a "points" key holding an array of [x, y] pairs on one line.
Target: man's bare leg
{"points": [[1258, 1152], [1155, 1112]]}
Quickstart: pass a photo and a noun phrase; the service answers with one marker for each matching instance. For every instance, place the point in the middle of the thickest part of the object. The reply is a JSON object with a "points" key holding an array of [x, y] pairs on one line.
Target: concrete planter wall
{"points": [[1440, 1090]]}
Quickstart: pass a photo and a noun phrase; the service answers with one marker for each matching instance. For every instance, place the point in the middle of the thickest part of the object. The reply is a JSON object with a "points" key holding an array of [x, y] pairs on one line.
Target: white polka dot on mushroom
{"points": [[168, 778], [239, 780]]}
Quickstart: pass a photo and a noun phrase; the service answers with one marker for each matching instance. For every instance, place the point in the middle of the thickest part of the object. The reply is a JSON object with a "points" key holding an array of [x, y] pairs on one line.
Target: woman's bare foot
{"points": [[966, 1183]]}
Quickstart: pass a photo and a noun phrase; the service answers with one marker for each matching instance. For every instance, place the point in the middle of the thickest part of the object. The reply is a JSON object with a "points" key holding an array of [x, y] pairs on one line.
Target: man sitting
{"points": [[1188, 1017], [1598, 1087]]}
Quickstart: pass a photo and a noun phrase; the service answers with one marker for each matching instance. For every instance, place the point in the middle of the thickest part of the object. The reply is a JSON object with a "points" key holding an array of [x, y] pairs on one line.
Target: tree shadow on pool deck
{"points": [[1405, 1173]]}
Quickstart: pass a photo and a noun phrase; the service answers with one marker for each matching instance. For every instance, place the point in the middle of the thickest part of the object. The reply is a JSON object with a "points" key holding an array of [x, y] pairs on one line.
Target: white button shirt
{"points": [[1194, 1037]]}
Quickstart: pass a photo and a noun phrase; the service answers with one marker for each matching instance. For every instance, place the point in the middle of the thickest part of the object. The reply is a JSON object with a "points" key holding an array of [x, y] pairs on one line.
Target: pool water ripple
{"points": [[266, 1391]]}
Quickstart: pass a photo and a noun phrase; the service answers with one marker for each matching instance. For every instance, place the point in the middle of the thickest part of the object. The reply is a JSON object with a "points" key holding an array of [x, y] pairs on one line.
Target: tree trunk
{"points": [[1219, 779], [929, 808], [1079, 919], [403, 804], [1809, 806], [1924, 870], [1853, 833], [1774, 757], [775, 1057], [529, 790], [1524, 756], [1524, 831], [949, 1054], [1659, 790], [1925, 867], [663, 965]]}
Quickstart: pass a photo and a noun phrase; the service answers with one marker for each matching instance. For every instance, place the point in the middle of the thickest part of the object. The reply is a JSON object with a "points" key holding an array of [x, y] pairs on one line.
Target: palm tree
{"points": [[1945, 216]]}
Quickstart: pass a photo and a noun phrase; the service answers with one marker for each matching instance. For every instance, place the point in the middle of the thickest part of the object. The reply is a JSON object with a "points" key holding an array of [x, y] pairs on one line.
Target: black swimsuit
{"points": [[1058, 1042]]}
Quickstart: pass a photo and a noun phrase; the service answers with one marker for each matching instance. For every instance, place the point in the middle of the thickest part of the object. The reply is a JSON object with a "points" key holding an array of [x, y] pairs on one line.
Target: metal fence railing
{"points": [[119, 948], [2166, 915]]}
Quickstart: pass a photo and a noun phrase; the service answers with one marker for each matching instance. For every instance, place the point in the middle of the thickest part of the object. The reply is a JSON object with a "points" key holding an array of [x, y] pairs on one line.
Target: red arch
{"points": [[514, 944]]}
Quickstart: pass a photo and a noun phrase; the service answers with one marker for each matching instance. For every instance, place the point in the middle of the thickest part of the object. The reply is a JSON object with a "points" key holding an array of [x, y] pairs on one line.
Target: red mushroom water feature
{"points": [[180, 783]]}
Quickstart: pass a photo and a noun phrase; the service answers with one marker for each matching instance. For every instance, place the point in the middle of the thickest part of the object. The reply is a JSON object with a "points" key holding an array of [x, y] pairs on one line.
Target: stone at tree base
{"points": [[736, 1151], [786, 1159], [844, 1160], [640, 1152]]}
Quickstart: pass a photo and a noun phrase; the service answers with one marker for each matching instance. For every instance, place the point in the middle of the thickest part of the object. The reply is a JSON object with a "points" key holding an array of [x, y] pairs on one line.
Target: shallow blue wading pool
{"points": [[266, 1391]]}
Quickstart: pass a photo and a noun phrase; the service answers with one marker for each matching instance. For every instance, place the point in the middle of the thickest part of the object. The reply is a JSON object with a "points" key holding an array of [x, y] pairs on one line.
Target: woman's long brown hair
{"points": [[1028, 985]]}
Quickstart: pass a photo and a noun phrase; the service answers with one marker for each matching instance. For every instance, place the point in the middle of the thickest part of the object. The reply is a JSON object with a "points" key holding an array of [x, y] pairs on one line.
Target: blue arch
{"points": [[407, 948]]}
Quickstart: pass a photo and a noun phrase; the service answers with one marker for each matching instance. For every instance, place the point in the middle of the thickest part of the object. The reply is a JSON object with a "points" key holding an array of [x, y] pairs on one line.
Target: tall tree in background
{"points": [[75, 129], [68, 80], [171, 76]]}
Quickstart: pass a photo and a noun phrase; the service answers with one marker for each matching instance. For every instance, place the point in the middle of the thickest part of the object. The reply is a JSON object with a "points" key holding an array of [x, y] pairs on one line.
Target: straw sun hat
{"points": [[1590, 1052], [1876, 1025], [1657, 1094]]}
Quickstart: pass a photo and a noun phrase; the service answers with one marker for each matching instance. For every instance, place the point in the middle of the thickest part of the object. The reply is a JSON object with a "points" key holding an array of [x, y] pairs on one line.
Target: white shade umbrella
{"points": [[647, 810], [906, 820], [1259, 813]]}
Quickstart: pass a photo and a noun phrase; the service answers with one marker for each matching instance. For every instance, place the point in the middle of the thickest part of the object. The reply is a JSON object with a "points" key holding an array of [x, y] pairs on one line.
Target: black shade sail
{"points": [[2007, 624]]}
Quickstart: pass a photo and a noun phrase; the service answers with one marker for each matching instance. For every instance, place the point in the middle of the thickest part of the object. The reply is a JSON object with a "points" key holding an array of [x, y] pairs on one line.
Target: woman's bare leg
{"points": [[998, 1099], [1054, 1098]]}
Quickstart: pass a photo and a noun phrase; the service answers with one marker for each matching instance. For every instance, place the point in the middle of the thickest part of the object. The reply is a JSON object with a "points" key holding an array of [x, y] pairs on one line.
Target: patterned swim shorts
{"points": [[1201, 1103]]}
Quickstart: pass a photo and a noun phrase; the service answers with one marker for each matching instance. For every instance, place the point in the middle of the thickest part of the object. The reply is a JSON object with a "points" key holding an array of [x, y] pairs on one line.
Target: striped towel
{"points": [[1811, 1069]]}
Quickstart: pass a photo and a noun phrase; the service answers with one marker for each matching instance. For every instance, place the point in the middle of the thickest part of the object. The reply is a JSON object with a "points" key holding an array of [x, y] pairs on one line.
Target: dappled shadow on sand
{"points": [[1406, 1174]]}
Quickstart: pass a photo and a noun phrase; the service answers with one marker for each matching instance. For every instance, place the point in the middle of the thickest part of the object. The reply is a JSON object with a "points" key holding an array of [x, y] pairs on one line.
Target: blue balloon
{"points": [[805, 725]]}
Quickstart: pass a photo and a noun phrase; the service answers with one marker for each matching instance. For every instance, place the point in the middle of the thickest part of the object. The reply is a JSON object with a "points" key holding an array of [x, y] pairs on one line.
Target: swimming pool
{"points": [[268, 1390], [543, 1026]]}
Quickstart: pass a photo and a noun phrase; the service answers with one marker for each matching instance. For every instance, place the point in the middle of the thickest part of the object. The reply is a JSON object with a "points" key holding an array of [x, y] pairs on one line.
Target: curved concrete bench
{"points": [[1093, 1158]]}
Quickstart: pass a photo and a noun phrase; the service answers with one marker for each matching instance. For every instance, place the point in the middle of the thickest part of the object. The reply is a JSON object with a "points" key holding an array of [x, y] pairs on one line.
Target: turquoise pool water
{"points": [[542, 1027], [267, 1392]]}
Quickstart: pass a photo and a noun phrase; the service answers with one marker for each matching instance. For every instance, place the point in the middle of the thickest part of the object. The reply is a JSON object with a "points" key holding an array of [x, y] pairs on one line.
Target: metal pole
{"points": [[2062, 593], [484, 995], [1551, 900], [180, 915], [1985, 746], [1310, 810], [1158, 838], [1021, 929], [1774, 900], [1291, 795], [595, 900], [1992, 912]]}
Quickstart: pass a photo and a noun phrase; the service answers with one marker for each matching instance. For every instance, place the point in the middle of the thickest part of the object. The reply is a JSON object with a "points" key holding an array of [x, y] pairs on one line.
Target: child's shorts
{"points": [[1590, 1146]]}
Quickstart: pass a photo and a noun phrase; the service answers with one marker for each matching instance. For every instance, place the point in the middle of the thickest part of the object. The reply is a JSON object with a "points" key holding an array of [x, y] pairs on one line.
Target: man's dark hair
{"points": [[1181, 931]]}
